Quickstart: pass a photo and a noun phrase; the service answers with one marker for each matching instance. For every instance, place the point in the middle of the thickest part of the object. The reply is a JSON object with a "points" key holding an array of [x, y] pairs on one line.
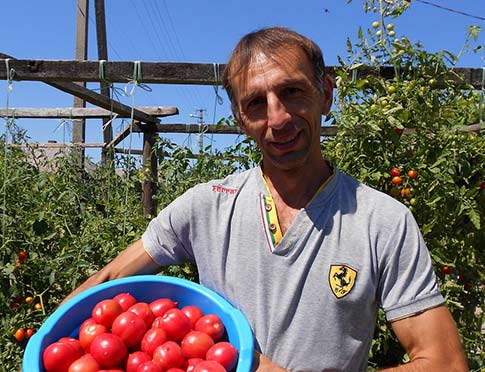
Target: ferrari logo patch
{"points": [[341, 279]]}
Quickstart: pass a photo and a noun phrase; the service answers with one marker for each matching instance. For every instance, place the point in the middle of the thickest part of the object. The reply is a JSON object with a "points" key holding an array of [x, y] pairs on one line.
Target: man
{"points": [[306, 252]]}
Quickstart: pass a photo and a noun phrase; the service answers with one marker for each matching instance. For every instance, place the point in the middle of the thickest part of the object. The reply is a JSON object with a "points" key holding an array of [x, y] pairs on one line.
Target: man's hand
{"points": [[263, 364], [431, 341]]}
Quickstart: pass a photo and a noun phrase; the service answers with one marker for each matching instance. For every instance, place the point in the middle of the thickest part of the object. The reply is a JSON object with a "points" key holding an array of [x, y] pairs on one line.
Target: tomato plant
{"points": [[441, 159]]}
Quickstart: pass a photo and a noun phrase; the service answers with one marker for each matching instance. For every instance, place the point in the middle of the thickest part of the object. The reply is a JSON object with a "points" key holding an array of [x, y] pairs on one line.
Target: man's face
{"points": [[280, 107]]}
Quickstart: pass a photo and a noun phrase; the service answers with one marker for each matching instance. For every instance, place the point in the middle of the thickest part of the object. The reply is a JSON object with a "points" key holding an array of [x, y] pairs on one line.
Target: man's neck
{"points": [[297, 187]]}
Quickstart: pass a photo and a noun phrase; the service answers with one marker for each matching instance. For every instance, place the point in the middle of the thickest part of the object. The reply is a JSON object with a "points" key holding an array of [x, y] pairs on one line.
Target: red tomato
{"points": [[412, 173], [106, 311], [157, 322], [194, 313], [395, 172], [175, 370], [85, 364], [212, 325], [224, 353], [108, 349], [169, 355], [58, 356], [19, 334], [88, 331], [397, 180], [446, 270], [75, 343], [405, 192], [195, 344], [130, 327], [135, 360], [125, 300], [160, 306], [22, 256], [191, 363], [29, 332], [397, 130], [209, 366], [153, 338], [150, 366], [175, 323], [142, 309]]}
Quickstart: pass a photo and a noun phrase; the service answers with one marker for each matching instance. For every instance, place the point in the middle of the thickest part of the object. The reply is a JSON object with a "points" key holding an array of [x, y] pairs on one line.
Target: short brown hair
{"points": [[270, 41]]}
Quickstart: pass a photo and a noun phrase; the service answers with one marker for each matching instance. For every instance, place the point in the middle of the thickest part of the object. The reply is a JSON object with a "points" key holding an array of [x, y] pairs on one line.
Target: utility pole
{"points": [[103, 55], [200, 136], [82, 16]]}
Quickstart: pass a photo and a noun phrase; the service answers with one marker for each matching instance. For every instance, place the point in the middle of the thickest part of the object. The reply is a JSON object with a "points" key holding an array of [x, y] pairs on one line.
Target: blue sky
{"points": [[198, 31]]}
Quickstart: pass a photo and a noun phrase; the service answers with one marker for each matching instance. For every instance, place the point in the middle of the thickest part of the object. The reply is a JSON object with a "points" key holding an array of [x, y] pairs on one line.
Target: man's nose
{"points": [[277, 113]]}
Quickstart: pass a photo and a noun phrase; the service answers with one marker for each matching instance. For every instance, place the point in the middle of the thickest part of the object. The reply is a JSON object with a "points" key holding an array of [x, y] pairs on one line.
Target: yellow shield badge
{"points": [[342, 279]]}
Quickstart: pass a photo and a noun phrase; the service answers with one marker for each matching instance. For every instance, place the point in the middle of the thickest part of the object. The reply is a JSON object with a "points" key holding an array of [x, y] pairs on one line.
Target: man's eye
{"points": [[254, 102], [292, 90]]}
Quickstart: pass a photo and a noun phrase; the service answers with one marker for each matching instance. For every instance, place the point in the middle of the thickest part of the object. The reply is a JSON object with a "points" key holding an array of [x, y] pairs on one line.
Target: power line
{"points": [[451, 10]]}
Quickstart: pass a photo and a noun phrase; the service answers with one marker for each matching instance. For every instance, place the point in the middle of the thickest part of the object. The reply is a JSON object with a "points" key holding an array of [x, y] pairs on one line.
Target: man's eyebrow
{"points": [[281, 84]]}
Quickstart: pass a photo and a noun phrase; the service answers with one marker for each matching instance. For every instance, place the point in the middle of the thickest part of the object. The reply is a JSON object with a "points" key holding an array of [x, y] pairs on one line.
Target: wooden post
{"points": [[150, 163], [79, 125], [103, 55]]}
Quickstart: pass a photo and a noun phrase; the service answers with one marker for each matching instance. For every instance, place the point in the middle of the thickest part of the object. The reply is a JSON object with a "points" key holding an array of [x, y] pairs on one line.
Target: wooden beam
{"points": [[172, 72], [100, 100], [104, 102], [213, 129], [85, 112], [104, 86], [55, 145], [82, 16]]}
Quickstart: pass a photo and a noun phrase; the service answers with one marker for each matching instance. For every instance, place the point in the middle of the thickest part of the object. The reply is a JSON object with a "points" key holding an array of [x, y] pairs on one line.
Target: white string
{"points": [[217, 100], [8, 124], [482, 96]]}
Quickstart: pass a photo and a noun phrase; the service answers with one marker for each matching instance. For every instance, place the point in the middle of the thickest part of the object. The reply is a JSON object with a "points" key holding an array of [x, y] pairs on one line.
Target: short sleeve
{"points": [[407, 282], [166, 238]]}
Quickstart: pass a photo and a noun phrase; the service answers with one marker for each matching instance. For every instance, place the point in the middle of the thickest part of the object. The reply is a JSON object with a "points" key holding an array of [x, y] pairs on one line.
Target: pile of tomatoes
{"points": [[126, 335]]}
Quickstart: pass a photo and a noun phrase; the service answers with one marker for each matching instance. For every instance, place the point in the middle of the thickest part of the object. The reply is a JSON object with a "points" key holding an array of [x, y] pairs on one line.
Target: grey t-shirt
{"points": [[312, 299]]}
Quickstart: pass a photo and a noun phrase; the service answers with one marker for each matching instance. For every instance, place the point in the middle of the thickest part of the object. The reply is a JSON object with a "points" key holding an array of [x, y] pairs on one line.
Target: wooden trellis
{"points": [[61, 74]]}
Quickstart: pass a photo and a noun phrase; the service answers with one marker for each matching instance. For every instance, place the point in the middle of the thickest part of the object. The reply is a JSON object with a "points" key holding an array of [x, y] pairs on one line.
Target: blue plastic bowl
{"points": [[66, 320]]}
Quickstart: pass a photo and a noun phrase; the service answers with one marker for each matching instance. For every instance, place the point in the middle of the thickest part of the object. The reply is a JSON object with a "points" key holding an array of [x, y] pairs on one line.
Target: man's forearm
{"points": [[423, 365]]}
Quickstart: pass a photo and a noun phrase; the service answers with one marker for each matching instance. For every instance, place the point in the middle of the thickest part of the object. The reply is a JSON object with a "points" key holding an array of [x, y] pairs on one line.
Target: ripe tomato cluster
{"points": [[399, 186], [127, 335], [22, 334]]}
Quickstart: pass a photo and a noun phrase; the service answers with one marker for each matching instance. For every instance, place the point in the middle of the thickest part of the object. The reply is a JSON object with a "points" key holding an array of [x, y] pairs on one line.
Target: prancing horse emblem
{"points": [[341, 279]]}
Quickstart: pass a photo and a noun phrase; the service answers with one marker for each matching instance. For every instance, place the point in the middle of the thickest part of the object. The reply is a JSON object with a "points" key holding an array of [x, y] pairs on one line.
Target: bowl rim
{"points": [[240, 322]]}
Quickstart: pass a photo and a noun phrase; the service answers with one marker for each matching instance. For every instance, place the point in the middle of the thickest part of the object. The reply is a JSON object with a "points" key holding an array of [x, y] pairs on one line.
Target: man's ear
{"points": [[327, 95]]}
